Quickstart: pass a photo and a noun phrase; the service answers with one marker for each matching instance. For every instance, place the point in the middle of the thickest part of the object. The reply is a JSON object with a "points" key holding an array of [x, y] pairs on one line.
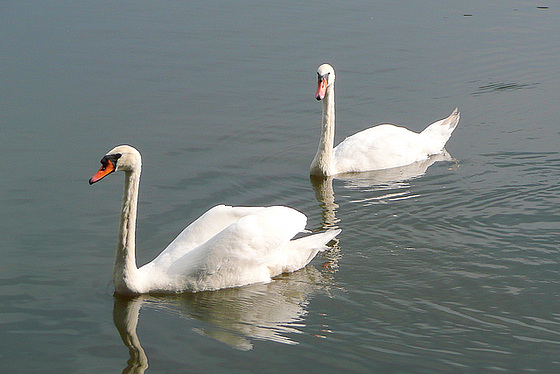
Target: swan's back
{"points": [[379, 147], [254, 247], [387, 146]]}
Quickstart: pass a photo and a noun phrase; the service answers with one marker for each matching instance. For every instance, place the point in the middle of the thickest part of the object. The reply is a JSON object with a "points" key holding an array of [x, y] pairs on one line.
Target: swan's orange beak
{"points": [[106, 169], [321, 88]]}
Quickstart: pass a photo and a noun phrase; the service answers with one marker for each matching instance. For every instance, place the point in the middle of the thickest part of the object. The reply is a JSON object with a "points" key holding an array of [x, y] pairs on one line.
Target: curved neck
{"points": [[322, 163], [125, 270]]}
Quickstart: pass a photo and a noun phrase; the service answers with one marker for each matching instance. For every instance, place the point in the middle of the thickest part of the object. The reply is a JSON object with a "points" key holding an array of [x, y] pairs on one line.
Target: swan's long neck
{"points": [[323, 162], [125, 272]]}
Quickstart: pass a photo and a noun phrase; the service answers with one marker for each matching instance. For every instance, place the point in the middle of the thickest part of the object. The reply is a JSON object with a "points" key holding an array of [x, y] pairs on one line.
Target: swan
{"points": [[379, 147], [225, 247]]}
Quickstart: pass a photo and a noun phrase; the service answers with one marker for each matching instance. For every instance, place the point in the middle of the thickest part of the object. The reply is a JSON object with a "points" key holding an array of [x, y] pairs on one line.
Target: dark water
{"points": [[451, 267]]}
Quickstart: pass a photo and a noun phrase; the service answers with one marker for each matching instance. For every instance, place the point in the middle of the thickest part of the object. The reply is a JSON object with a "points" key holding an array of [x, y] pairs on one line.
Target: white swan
{"points": [[225, 247], [379, 147]]}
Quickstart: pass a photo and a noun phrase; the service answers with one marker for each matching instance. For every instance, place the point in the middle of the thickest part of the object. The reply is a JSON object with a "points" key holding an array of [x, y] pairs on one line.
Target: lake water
{"points": [[448, 268]]}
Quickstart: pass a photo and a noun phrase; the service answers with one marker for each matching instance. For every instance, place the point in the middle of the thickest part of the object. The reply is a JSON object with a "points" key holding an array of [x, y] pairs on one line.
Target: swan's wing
{"points": [[379, 147], [206, 226], [240, 253]]}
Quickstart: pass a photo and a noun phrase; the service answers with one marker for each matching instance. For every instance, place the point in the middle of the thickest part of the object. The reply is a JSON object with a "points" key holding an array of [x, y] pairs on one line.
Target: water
{"points": [[439, 268]]}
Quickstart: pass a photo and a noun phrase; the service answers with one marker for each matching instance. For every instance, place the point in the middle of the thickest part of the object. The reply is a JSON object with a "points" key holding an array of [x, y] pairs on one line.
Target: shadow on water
{"points": [[272, 311]]}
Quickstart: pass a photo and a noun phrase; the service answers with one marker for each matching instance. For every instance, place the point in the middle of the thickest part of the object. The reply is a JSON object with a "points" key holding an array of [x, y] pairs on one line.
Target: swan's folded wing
{"points": [[379, 147], [201, 230], [239, 254]]}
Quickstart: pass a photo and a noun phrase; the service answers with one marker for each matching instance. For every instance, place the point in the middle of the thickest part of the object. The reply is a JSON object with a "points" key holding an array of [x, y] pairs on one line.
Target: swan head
{"points": [[325, 79], [120, 158]]}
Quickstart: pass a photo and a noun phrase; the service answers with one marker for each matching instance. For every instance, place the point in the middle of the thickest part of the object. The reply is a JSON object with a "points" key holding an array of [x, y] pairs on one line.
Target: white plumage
{"points": [[379, 147], [226, 247]]}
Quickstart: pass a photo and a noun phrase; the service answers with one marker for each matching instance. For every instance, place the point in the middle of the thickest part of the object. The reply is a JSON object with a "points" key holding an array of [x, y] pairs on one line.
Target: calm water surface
{"points": [[447, 266]]}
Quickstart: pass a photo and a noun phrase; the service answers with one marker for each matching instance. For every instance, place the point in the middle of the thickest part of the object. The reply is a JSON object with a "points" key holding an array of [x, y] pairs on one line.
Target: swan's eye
{"points": [[110, 158], [324, 76]]}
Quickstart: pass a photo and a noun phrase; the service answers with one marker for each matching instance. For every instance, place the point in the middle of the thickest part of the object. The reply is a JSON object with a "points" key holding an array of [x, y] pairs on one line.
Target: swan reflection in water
{"points": [[272, 311], [385, 181], [386, 184]]}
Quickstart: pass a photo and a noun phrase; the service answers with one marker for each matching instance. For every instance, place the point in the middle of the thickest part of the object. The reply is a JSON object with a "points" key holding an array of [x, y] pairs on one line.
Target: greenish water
{"points": [[449, 267]]}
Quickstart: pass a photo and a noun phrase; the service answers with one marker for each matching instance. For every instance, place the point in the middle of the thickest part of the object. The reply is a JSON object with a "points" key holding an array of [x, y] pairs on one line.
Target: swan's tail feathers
{"points": [[299, 252], [441, 130], [327, 236], [320, 240]]}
